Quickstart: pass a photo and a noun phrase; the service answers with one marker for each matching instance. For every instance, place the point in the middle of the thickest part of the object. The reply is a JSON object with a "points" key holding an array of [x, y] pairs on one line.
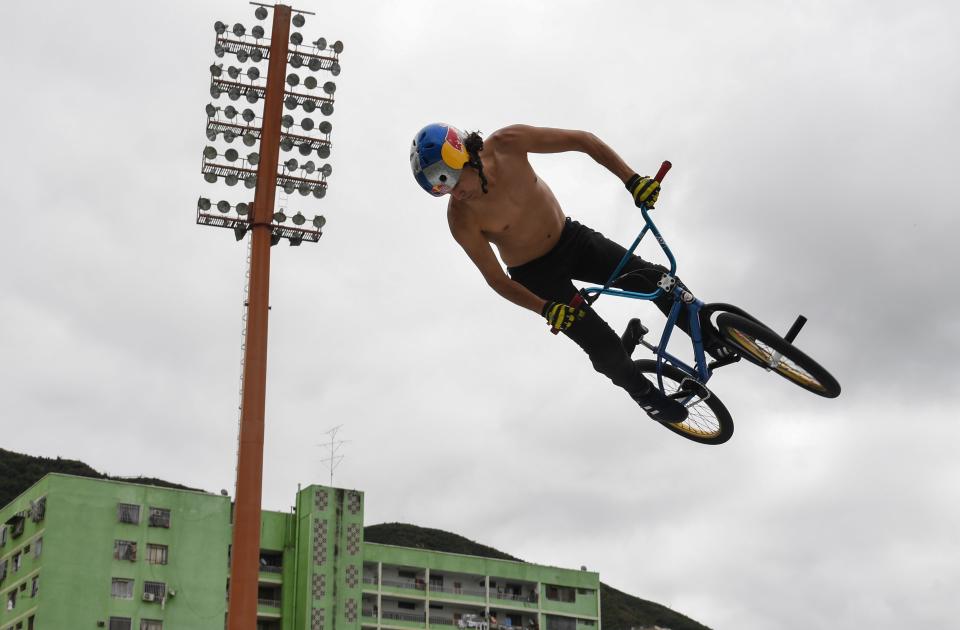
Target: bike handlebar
{"points": [[578, 299]]}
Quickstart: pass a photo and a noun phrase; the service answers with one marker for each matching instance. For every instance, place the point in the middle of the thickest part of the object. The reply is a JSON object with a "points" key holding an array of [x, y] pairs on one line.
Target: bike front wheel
{"points": [[761, 346], [708, 421]]}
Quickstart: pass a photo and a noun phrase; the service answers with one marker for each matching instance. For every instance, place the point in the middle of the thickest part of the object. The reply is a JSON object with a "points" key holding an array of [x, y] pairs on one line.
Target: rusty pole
{"points": [[245, 555]]}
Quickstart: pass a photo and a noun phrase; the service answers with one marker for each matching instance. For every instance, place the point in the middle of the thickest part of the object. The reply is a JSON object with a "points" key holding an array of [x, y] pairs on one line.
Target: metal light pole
{"points": [[266, 228]]}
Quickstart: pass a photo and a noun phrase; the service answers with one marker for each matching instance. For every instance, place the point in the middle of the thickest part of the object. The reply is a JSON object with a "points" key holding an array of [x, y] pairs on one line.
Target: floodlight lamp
{"points": [[234, 93], [228, 136], [223, 206], [253, 158], [231, 155], [242, 55], [320, 192], [211, 135], [253, 73], [299, 20], [299, 219], [338, 47], [295, 241], [335, 69], [296, 39], [309, 106], [231, 179], [214, 91], [230, 111], [210, 177], [211, 110], [261, 13], [274, 239], [326, 127], [248, 115], [219, 50], [243, 209], [304, 148], [257, 31], [250, 181], [279, 216], [293, 79], [219, 27], [249, 139], [307, 124], [324, 151], [310, 83], [319, 221], [290, 102], [209, 153], [289, 187], [216, 69], [240, 231], [320, 43], [315, 64], [287, 121], [256, 55], [239, 30], [309, 167], [252, 96], [326, 169], [233, 71], [203, 203], [329, 87], [304, 189], [286, 144], [296, 61], [326, 109], [291, 164]]}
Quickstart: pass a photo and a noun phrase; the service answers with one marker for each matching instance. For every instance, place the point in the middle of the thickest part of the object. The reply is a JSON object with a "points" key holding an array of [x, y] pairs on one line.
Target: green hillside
{"points": [[618, 610]]}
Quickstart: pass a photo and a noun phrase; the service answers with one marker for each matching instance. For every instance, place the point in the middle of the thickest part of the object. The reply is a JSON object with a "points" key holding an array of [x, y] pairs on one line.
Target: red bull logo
{"points": [[454, 139]]}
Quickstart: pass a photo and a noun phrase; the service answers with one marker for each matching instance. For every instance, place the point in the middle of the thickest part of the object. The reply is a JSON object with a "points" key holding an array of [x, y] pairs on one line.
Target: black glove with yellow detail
{"points": [[645, 190], [562, 316]]}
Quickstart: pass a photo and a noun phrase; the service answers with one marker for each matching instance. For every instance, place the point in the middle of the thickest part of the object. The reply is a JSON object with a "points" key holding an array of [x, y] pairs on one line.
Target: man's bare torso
{"points": [[519, 214]]}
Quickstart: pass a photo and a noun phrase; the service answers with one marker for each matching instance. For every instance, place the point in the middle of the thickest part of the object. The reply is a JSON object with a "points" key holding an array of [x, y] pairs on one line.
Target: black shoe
{"points": [[719, 351], [659, 407]]}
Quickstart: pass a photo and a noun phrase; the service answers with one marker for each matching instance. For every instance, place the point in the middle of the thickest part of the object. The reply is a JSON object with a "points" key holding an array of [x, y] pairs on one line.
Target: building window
{"points": [[3, 535], [155, 589], [3, 570], [128, 513], [406, 606], [159, 517], [156, 554], [561, 593], [121, 623], [16, 562], [561, 623], [35, 586], [151, 624], [587, 622], [121, 588], [37, 547], [124, 550], [30, 622], [11, 599]]}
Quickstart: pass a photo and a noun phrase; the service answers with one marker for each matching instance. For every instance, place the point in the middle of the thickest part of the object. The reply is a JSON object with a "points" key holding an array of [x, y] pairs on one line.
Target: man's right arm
{"points": [[476, 246]]}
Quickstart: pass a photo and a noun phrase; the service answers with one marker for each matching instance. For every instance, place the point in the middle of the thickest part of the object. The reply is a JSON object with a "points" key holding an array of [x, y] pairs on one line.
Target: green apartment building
{"points": [[79, 553]]}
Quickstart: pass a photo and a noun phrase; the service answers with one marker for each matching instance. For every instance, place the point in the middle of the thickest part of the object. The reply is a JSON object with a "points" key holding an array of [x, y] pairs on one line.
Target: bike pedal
{"points": [[690, 388], [633, 334]]}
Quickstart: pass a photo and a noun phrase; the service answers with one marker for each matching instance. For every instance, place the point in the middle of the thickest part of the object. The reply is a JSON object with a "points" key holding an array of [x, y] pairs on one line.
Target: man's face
{"points": [[468, 186]]}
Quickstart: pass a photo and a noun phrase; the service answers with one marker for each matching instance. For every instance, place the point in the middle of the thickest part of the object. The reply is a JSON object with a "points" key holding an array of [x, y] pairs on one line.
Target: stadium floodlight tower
{"points": [[278, 86]]}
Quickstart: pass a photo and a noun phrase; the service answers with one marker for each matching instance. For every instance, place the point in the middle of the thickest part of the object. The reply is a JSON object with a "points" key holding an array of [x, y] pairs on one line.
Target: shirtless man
{"points": [[497, 198]]}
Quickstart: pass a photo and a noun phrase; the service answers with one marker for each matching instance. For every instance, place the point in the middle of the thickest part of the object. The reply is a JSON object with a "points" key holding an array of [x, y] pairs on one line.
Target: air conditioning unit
{"points": [[149, 597]]}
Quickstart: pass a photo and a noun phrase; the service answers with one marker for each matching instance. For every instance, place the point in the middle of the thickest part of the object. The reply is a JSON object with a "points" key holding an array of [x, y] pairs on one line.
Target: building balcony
{"points": [[403, 619]]}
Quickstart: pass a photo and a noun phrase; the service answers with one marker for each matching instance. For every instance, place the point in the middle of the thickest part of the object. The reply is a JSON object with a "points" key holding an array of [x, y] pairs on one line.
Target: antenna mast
{"points": [[333, 446]]}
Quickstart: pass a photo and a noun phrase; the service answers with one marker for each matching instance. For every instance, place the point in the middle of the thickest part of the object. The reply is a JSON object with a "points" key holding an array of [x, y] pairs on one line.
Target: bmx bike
{"points": [[744, 336]]}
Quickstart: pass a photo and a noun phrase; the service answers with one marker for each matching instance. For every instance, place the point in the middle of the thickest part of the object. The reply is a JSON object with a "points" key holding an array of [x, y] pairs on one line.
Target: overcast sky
{"points": [[815, 150]]}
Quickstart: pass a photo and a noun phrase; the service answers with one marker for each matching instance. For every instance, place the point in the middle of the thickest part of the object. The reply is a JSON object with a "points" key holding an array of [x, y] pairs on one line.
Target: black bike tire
{"points": [[688, 428], [824, 383]]}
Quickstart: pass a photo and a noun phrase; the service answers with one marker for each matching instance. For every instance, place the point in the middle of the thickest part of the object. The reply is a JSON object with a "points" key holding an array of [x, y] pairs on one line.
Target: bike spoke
{"points": [[774, 360]]}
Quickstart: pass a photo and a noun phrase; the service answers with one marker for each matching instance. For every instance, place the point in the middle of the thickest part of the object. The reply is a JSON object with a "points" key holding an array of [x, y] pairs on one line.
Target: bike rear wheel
{"points": [[760, 345], [708, 421]]}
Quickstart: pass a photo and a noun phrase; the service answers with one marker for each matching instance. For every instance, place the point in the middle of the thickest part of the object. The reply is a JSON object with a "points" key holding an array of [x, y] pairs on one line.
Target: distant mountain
{"points": [[618, 610]]}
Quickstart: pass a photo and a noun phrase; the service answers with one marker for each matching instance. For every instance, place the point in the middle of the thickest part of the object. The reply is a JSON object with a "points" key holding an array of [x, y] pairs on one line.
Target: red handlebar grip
{"points": [[663, 170]]}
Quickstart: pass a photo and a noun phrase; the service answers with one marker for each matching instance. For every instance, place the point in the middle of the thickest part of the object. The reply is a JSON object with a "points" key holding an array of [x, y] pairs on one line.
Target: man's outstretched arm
{"points": [[527, 139], [478, 249]]}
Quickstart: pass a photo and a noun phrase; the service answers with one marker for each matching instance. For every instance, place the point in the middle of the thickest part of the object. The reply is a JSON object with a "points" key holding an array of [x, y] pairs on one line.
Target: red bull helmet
{"points": [[437, 156]]}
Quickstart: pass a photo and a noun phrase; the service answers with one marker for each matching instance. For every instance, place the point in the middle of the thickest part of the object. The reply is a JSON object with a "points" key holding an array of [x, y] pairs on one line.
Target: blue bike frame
{"points": [[681, 297]]}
